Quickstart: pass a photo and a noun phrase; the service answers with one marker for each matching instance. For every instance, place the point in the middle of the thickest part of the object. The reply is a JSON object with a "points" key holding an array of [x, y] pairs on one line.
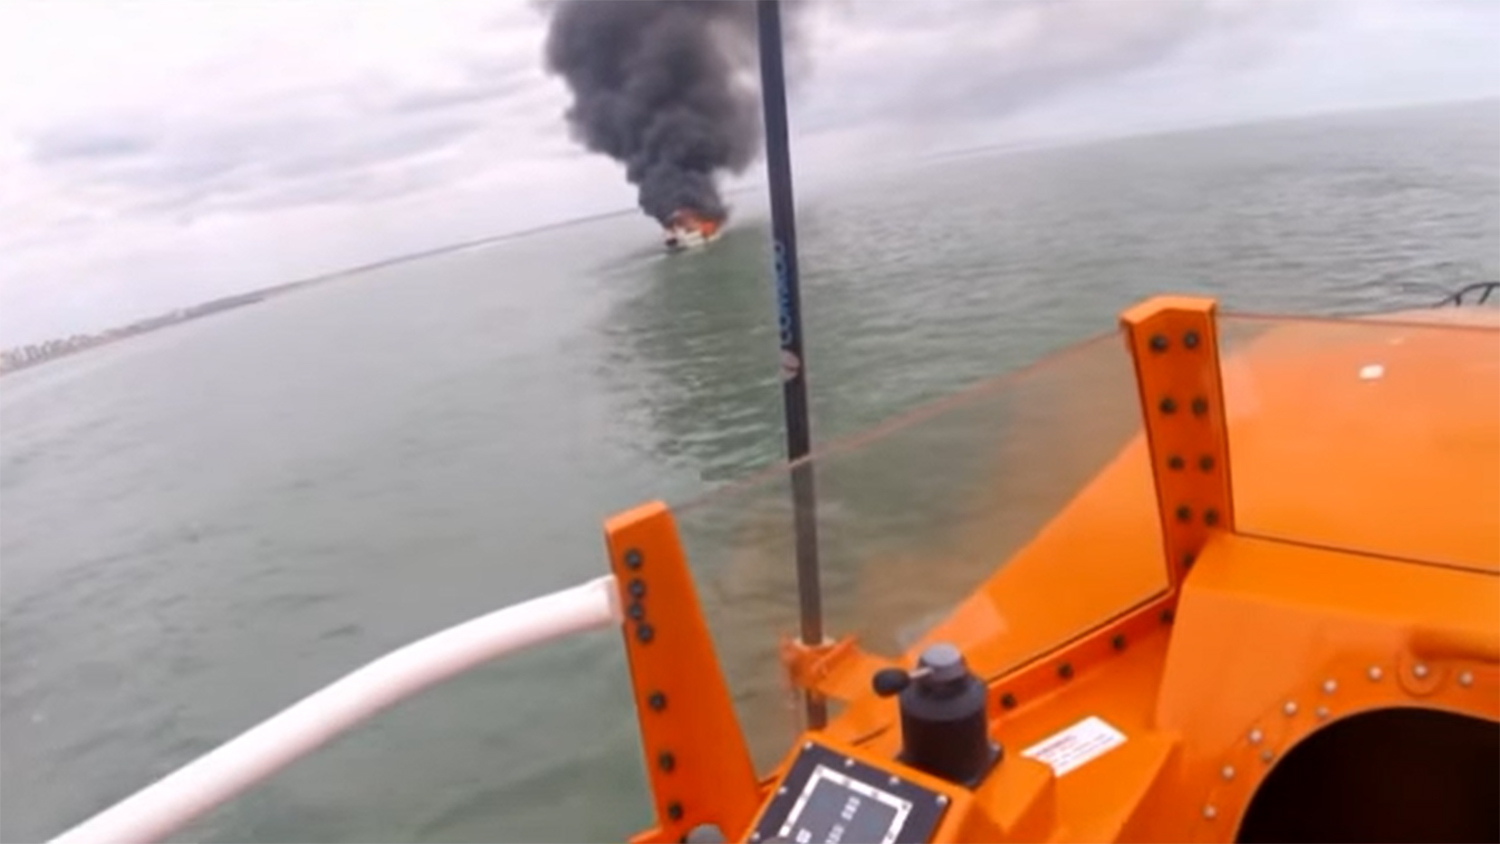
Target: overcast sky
{"points": [[160, 153]]}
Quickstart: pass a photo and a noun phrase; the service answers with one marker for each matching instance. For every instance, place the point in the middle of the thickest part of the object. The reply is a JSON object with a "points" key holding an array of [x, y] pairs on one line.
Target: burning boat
{"points": [[687, 229]]}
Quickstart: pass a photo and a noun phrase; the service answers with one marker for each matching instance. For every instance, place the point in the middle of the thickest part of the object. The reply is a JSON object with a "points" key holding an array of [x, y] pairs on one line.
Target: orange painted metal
{"points": [[1216, 670], [1274, 641], [695, 755], [1175, 346], [838, 670], [1369, 435]]}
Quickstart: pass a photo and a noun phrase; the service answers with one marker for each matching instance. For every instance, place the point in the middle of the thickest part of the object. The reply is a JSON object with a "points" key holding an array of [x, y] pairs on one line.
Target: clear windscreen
{"points": [[914, 518]]}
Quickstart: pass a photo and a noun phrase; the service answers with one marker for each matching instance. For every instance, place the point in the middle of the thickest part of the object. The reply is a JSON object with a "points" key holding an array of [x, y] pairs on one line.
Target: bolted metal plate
{"points": [[827, 797]]}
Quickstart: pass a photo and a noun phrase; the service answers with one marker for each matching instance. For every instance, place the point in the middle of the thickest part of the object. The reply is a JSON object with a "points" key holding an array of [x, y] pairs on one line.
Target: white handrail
{"points": [[171, 802]]}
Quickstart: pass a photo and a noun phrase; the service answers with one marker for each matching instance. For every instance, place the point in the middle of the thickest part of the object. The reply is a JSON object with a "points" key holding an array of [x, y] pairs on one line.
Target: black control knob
{"points": [[943, 727]]}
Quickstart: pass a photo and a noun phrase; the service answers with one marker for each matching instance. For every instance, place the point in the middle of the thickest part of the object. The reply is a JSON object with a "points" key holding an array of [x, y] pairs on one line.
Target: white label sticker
{"points": [[1081, 743]]}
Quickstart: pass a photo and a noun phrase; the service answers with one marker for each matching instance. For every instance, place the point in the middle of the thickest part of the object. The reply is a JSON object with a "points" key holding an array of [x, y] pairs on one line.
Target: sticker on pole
{"points": [[1076, 746]]}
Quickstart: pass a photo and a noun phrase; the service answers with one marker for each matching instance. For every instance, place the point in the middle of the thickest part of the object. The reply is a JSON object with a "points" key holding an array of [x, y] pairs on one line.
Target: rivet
{"points": [[1466, 679], [666, 761], [1321, 712], [633, 558], [644, 634], [1227, 772], [637, 588], [942, 799], [636, 611], [1375, 673], [1190, 339], [1256, 735], [1065, 671], [1419, 671], [1206, 463], [1290, 708], [1188, 559], [1168, 406], [1330, 686], [1118, 642], [1209, 812], [1175, 462], [1210, 517], [1008, 701], [674, 810], [1167, 616], [1267, 755], [1200, 406], [1158, 342], [657, 701]]}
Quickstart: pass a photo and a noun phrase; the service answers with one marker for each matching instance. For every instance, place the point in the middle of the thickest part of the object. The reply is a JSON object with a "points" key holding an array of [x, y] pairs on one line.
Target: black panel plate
{"points": [[927, 806]]}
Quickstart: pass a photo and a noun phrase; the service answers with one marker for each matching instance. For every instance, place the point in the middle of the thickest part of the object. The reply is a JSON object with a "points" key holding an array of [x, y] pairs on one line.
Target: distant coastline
{"points": [[34, 354]]}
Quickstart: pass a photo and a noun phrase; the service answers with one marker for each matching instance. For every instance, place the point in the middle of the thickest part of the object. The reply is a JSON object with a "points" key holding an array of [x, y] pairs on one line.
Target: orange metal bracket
{"points": [[1175, 345], [837, 670], [696, 758]]}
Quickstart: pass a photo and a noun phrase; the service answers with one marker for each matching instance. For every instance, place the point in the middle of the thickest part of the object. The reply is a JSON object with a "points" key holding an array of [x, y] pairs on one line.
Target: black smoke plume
{"points": [[669, 88]]}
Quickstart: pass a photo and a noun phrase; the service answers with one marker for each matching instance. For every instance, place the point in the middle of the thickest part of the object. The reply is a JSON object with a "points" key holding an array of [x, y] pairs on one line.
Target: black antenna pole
{"points": [[789, 312]]}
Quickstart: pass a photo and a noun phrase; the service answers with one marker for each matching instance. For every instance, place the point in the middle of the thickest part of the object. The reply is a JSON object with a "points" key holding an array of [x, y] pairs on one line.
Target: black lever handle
{"points": [[890, 681]]}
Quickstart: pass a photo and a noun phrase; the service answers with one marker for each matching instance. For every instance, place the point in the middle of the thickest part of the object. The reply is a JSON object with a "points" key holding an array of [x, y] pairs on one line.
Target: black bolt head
{"points": [[644, 634], [1206, 463], [1174, 462], [1065, 671], [1210, 517], [657, 701], [1158, 342], [1008, 701], [1118, 642], [1189, 558], [633, 558], [1190, 339], [1167, 616], [637, 588], [674, 810], [1168, 406], [1200, 406], [1184, 513], [635, 611], [666, 761]]}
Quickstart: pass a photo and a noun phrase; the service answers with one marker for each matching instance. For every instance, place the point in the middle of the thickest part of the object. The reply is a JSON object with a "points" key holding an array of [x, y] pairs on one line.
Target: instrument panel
{"points": [[827, 797]]}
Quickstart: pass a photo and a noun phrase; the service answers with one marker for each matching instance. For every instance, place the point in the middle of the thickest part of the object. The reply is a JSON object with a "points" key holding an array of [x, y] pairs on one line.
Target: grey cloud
{"points": [[86, 141], [936, 63], [484, 80], [960, 60], [293, 152], [368, 138], [458, 96], [389, 143], [342, 165]]}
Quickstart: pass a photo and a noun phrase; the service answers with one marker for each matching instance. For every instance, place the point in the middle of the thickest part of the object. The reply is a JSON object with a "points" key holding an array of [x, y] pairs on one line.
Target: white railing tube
{"points": [[173, 801]]}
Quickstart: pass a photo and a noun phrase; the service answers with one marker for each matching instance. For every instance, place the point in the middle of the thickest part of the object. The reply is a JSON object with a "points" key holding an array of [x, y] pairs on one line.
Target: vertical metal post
{"points": [[1174, 343], [789, 313]]}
